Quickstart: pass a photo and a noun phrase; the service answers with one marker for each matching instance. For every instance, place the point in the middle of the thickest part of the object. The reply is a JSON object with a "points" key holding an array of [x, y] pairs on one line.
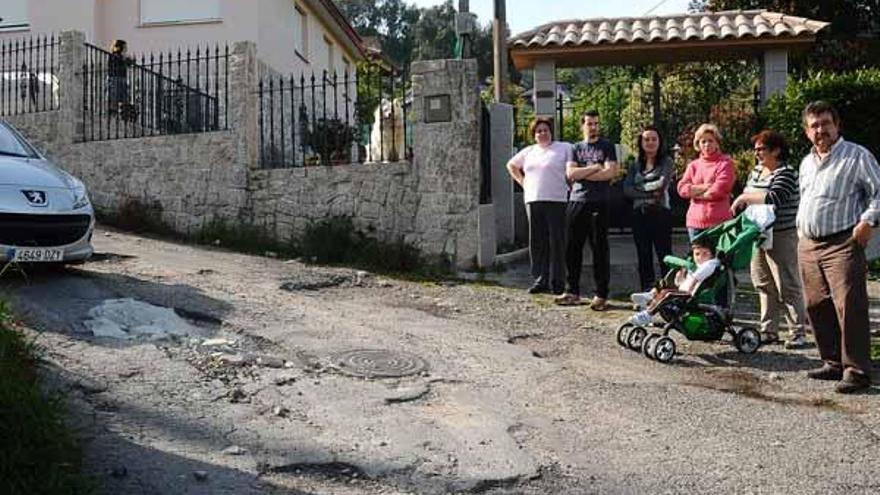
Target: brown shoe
{"points": [[853, 382], [599, 304], [826, 372], [567, 299]]}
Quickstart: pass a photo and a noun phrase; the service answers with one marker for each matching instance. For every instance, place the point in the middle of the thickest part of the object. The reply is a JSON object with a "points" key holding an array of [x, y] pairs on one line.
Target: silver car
{"points": [[45, 213]]}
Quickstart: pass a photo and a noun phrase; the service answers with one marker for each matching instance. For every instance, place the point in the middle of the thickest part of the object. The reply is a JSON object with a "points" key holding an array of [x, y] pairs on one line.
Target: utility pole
{"points": [[499, 41]]}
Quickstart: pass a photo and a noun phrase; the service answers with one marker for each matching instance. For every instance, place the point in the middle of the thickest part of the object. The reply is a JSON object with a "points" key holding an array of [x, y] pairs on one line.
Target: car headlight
{"points": [[80, 197]]}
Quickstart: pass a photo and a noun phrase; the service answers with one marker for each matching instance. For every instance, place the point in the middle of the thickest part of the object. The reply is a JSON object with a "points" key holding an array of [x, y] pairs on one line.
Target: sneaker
{"points": [[642, 319], [568, 299], [826, 372], [641, 299], [538, 289], [796, 342], [853, 381], [599, 304], [769, 338]]}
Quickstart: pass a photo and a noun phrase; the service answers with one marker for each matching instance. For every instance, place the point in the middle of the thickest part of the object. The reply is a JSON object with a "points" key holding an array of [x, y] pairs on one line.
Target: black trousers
{"points": [[652, 232], [547, 243], [587, 221]]}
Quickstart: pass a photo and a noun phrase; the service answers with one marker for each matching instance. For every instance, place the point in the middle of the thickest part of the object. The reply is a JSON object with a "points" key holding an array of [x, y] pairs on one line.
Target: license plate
{"points": [[37, 255]]}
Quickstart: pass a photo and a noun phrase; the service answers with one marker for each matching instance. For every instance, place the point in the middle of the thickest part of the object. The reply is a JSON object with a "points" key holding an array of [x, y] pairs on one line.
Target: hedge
{"points": [[856, 95]]}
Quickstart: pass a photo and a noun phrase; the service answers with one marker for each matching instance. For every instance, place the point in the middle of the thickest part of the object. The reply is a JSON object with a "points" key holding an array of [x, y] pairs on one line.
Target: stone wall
{"points": [[191, 180], [380, 197]]}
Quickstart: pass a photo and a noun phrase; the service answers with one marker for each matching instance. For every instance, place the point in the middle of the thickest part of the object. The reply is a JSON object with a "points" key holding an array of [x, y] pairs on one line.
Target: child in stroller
{"points": [[686, 281], [692, 307]]}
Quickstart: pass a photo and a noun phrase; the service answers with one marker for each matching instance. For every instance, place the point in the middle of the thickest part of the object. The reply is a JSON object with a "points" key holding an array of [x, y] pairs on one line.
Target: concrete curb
{"points": [[512, 257]]}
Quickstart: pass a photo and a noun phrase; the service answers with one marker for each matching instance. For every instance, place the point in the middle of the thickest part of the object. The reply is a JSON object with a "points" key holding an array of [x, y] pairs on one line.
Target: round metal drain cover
{"points": [[377, 363]]}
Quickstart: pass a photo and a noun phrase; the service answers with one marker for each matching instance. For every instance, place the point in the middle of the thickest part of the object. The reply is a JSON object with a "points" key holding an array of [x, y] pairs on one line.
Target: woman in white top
{"points": [[540, 170]]}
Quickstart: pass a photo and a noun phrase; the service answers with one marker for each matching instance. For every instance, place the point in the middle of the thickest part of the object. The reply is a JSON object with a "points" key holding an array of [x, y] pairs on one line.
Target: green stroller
{"points": [[705, 315]]}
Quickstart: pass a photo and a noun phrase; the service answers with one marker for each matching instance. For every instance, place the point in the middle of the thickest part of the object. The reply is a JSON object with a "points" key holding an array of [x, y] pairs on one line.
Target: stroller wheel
{"points": [[747, 340], [648, 345], [623, 333], [664, 349], [635, 338]]}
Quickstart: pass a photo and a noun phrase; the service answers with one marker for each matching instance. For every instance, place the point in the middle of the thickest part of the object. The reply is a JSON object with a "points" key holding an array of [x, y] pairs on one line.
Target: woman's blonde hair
{"points": [[706, 128]]}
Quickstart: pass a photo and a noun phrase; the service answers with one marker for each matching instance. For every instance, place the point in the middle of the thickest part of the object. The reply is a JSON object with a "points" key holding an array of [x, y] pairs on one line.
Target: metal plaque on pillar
{"points": [[438, 108]]}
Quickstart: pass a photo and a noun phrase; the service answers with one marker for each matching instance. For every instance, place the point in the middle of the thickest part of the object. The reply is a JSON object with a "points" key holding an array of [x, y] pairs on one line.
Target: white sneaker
{"points": [[641, 299], [642, 319], [796, 342]]}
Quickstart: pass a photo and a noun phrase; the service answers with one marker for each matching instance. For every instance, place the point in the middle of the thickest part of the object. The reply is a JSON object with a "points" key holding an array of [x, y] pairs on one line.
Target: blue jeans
{"points": [[692, 232]]}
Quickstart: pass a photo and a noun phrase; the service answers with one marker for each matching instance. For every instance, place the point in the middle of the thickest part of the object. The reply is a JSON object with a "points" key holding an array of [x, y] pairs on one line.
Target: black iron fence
{"points": [[28, 75], [123, 97], [333, 118]]}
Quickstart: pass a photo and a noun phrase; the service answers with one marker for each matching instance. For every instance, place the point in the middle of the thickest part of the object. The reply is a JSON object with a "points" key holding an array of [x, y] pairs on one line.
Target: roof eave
{"points": [[339, 26], [639, 53]]}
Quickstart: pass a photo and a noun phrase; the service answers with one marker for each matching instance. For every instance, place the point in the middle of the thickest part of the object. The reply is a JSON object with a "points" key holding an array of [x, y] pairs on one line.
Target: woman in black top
{"points": [[117, 76], [775, 267], [647, 186]]}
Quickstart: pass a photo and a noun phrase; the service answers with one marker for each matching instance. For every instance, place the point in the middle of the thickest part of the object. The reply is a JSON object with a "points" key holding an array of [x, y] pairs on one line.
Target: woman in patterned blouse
{"points": [[775, 269]]}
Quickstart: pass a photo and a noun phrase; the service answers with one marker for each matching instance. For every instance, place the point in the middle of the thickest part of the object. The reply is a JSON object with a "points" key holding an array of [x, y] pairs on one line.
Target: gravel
{"points": [[519, 396]]}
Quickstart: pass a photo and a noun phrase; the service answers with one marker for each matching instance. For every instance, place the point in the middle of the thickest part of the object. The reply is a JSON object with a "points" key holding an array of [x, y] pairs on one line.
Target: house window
{"points": [[301, 37], [331, 56], [162, 11], [14, 14], [346, 66]]}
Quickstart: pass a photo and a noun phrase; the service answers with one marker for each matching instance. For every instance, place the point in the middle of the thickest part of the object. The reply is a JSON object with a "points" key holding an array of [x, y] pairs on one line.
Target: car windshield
{"points": [[12, 145]]}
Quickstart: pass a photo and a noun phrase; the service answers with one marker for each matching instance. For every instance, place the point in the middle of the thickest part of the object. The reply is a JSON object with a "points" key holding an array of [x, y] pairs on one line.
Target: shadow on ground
{"points": [[58, 299]]}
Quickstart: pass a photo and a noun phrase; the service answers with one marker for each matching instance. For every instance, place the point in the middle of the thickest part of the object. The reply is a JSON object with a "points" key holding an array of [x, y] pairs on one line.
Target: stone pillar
{"points": [[446, 158], [545, 90], [501, 119], [243, 105], [71, 57], [774, 73]]}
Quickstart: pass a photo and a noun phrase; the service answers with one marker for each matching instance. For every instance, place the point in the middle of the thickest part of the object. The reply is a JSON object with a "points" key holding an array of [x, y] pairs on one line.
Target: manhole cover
{"points": [[377, 363]]}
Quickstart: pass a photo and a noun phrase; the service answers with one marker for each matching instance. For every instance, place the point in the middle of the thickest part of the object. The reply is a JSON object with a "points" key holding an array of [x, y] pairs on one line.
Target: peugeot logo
{"points": [[35, 198]]}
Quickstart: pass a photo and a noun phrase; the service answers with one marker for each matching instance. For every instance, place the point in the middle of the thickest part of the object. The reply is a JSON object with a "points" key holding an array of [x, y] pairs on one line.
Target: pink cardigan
{"points": [[717, 172]]}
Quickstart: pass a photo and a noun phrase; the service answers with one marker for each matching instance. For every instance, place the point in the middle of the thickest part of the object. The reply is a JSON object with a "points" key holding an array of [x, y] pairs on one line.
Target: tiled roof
{"points": [[702, 26]]}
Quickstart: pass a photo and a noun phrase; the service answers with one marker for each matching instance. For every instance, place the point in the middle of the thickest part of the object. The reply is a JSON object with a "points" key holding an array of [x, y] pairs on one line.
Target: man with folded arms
{"points": [[840, 203]]}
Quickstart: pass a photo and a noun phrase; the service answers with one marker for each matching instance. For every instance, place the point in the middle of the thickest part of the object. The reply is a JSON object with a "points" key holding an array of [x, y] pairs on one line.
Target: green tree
{"points": [[409, 33], [392, 21]]}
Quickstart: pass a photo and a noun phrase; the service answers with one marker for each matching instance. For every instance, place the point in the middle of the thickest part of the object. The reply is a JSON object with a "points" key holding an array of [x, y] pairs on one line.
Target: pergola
{"points": [[739, 34]]}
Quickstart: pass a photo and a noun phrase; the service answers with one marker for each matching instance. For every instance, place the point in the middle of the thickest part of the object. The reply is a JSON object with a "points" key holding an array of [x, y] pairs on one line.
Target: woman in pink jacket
{"points": [[707, 182]]}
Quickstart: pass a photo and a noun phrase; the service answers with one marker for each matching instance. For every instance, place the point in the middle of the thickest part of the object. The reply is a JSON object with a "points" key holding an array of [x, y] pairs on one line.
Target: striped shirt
{"points": [[781, 188], [838, 191]]}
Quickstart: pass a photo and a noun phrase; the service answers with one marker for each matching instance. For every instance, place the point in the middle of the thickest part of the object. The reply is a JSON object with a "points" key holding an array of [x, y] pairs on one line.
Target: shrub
{"points": [[336, 240], [856, 95], [136, 216], [332, 140], [38, 454], [246, 238]]}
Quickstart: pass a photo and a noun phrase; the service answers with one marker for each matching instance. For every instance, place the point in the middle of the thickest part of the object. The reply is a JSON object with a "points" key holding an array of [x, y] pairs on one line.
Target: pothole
{"points": [[377, 363], [129, 318], [316, 281], [328, 470]]}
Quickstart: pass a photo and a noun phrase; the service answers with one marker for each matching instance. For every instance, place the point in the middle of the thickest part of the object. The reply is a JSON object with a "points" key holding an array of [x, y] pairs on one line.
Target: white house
{"points": [[292, 36]]}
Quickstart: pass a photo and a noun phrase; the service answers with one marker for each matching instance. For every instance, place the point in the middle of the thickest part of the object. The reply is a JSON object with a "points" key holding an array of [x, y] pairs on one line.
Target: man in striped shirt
{"points": [[840, 203]]}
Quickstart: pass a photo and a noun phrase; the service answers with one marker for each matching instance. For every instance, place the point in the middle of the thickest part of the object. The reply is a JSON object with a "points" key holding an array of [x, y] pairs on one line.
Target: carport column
{"points": [[545, 90], [774, 73], [71, 58], [501, 120]]}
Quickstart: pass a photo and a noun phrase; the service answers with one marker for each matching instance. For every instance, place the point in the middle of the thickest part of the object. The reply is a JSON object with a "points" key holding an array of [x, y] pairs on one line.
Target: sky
{"points": [[523, 15]]}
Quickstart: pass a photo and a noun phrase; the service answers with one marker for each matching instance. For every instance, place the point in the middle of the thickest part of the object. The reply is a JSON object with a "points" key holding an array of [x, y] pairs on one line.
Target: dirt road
{"points": [[261, 389]]}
